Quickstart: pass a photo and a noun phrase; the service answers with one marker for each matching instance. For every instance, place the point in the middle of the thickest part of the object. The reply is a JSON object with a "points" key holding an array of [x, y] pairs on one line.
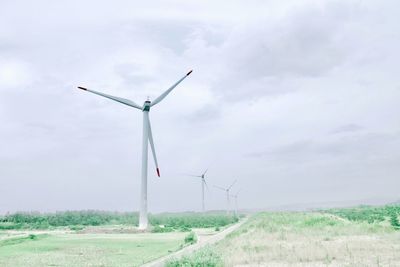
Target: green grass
{"points": [[88, 249], [368, 214], [98, 238], [18, 240]]}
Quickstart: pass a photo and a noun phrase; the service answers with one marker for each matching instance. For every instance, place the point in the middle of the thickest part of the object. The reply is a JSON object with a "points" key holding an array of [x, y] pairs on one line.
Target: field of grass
{"points": [[305, 239], [95, 238], [70, 249], [361, 236]]}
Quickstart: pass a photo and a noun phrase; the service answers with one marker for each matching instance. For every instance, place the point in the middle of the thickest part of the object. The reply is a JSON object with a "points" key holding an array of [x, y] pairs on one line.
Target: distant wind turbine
{"points": [[203, 183], [147, 138], [236, 202], [227, 195]]}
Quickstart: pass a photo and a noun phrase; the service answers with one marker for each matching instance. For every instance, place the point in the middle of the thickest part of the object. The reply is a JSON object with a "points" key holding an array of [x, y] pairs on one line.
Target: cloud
{"points": [[367, 146], [307, 91], [14, 74], [254, 58], [347, 128]]}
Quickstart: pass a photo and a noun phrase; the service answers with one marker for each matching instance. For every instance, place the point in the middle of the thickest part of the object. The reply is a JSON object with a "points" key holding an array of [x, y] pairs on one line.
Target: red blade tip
{"points": [[189, 72], [158, 172], [83, 88]]}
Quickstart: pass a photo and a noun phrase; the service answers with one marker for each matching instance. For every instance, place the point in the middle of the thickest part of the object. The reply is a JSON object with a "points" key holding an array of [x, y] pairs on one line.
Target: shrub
{"points": [[76, 227], [202, 258], [394, 221], [185, 229], [32, 236], [159, 229], [191, 238]]}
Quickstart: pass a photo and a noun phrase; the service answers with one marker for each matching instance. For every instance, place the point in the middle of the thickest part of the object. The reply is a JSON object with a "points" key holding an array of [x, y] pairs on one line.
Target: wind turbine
{"points": [[227, 194], [147, 138], [236, 203], [203, 183]]}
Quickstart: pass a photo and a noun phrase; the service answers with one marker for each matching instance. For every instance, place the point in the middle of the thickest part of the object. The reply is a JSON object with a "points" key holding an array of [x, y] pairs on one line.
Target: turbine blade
{"points": [[232, 184], [115, 98], [163, 95], [153, 150], [216, 186], [193, 175], [205, 172]]}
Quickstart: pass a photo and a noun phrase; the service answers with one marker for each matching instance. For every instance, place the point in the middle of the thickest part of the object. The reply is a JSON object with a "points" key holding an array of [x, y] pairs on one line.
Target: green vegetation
{"points": [[77, 220], [191, 238], [370, 214], [57, 249], [394, 220], [203, 258], [35, 220], [192, 220]]}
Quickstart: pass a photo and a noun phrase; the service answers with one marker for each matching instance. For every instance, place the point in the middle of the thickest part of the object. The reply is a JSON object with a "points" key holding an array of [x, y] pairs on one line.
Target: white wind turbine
{"points": [[203, 183], [147, 138], [236, 202], [227, 195]]}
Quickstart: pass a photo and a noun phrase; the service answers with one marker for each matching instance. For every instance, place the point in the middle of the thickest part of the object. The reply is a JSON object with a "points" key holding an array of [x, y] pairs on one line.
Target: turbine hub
{"points": [[146, 105]]}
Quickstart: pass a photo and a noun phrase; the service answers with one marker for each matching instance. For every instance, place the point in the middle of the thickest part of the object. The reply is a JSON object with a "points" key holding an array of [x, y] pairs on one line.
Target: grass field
{"points": [[304, 239], [68, 249], [362, 236], [97, 238]]}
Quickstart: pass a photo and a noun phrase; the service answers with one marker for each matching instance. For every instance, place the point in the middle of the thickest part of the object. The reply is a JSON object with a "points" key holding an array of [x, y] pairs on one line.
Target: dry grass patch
{"points": [[310, 239]]}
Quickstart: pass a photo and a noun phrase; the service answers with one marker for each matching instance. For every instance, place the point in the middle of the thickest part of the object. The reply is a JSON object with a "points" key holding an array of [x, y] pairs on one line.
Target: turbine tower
{"points": [[147, 138], [203, 183], [236, 203], [227, 195]]}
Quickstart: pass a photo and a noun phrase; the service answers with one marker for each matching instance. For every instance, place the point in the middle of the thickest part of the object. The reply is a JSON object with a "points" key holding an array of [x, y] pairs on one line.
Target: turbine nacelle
{"points": [[146, 105]]}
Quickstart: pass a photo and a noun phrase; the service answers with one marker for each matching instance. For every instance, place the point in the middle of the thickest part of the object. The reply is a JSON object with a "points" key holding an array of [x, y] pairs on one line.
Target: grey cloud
{"points": [[307, 43], [357, 147], [205, 113], [282, 84]]}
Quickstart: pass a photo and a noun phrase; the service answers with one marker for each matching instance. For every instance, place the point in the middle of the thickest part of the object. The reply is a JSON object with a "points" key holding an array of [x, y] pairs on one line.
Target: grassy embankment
{"points": [[364, 236]]}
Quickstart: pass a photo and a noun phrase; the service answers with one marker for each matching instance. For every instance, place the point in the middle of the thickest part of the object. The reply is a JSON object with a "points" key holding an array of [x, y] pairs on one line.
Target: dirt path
{"points": [[202, 241]]}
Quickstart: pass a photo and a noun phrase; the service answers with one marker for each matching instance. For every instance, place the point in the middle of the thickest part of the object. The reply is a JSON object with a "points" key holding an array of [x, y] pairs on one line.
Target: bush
{"points": [[203, 258], [185, 229], [394, 221], [32, 237], [191, 238], [76, 227], [159, 229]]}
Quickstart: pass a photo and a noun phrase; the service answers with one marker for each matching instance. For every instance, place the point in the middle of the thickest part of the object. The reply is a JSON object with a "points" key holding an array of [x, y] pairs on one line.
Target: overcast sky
{"points": [[297, 100]]}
